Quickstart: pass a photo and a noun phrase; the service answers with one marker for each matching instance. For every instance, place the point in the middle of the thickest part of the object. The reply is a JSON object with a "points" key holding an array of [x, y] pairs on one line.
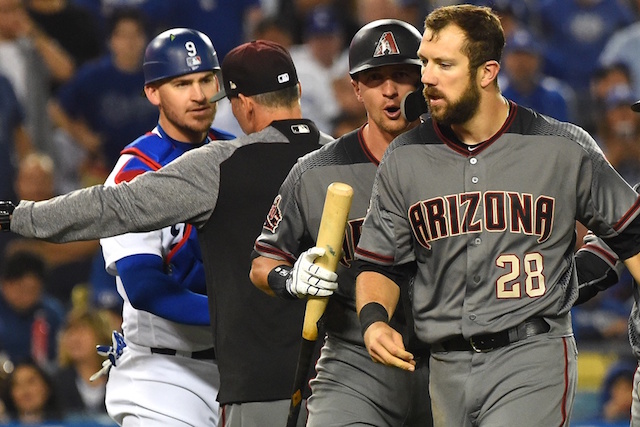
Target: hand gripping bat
{"points": [[330, 237]]}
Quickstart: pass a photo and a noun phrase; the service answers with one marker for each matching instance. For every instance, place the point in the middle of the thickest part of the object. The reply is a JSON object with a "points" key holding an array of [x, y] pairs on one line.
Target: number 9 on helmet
{"points": [[179, 51]]}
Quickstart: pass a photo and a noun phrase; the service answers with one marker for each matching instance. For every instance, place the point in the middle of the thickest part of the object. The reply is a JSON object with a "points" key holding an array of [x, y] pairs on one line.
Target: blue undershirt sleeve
{"points": [[150, 289]]}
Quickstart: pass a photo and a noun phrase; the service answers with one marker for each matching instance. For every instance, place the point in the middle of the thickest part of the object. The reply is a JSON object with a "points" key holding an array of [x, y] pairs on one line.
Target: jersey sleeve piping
{"points": [[627, 217], [265, 250], [367, 255]]}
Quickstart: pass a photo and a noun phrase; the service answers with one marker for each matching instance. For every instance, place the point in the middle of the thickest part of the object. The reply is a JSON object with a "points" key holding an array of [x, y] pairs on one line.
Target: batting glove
{"points": [[309, 279], [112, 353]]}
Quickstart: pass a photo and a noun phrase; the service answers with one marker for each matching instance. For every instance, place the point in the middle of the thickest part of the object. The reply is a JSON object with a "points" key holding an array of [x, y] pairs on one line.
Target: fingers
{"points": [[309, 279], [322, 273], [385, 346]]}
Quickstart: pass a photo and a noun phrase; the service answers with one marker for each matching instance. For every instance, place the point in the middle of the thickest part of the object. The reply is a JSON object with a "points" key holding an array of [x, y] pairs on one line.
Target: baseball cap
{"points": [[322, 20], [256, 67], [619, 95], [636, 106], [522, 41]]}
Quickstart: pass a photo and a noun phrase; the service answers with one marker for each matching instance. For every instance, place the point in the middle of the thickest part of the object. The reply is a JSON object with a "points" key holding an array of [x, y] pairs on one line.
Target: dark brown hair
{"points": [[484, 34]]}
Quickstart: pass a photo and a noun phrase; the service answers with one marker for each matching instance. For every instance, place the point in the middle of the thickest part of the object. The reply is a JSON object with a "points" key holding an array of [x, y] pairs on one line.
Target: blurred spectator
{"points": [[616, 392], [30, 397], [30, 60], [602, 81], [227, 22], [63, 22], [268, 28], [295, 12], [15, 142], [314, 60], [513, 14], [622, 48], [103, 294], [157, 12], [29, 318], [605, 318], [345, 123], [101, 107], [620, 133], [352, 113], [274, 29], [371, 10], [79, 398], [69, 263], [575, 32], [524, 83]]}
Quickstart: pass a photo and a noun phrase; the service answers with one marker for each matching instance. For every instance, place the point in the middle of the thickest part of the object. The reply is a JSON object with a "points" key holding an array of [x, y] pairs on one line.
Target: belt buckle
{"points": [[476, 349]]}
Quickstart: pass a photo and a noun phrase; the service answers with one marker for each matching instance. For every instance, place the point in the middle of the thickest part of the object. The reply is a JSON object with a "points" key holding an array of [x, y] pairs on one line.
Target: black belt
{"points": [[208, 354], [488, 342]]}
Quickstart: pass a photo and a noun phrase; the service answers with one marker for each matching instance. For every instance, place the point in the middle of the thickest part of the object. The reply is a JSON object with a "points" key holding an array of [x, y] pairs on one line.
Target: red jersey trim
{"points": [[364, 147], [513, 108], [386, 260]]}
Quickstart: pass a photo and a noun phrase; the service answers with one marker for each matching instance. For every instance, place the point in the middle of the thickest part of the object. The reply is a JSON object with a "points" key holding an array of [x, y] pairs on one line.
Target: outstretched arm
{"points": [[183, 191]]}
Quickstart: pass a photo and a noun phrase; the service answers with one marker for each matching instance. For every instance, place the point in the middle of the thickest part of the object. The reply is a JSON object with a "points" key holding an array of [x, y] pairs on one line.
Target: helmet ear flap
{"points": [[384, 42], [176, 52]]}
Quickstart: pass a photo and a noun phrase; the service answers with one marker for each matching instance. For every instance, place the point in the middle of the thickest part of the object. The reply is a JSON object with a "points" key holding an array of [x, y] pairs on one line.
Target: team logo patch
{"points": [[193, 61], [274, 217], [386, 45]]}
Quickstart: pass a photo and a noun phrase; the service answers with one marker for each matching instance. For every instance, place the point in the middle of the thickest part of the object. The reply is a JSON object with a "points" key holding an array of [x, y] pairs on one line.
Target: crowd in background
{"points": [[70, 100]]}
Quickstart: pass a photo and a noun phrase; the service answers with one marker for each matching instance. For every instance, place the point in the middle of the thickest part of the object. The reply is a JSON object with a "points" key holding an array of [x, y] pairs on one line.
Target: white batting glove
{"points": [[309, 279], [112, 353]]}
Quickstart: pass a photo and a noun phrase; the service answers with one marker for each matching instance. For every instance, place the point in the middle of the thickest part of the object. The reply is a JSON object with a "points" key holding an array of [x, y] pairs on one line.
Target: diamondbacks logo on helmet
{"points": [[386, 45]]}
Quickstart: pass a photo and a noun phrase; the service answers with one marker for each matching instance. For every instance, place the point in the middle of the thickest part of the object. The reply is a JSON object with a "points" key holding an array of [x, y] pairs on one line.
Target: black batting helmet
{"points": [[384, 42], [177, 52]]}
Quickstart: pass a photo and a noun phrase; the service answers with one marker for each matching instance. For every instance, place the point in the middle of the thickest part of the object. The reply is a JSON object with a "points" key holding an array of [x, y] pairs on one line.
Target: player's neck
{"points": [[377, 140], [492, 113]]}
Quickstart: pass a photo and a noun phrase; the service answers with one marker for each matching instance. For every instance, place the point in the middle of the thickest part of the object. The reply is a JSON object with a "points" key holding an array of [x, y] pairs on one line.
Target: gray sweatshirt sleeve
{"points": [[185, 190]]}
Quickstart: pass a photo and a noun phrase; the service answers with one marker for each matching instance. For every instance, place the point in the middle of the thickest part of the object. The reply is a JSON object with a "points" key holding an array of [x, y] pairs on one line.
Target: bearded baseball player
{"points": [[160, 273], [478, 206], [349, 388]]}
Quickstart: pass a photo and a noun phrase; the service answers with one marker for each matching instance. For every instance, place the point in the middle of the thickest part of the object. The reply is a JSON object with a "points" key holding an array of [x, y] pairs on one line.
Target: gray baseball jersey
{"points": [[492, 226], [349, 388]]}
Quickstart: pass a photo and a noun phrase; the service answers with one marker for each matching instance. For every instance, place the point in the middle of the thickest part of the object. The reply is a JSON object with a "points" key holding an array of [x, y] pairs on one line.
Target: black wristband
{"points": [[277, 280], [6, 210], [371, 313]]}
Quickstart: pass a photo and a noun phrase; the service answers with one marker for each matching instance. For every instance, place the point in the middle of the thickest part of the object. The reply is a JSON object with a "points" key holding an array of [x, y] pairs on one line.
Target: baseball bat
{"points": [[335, 213]]}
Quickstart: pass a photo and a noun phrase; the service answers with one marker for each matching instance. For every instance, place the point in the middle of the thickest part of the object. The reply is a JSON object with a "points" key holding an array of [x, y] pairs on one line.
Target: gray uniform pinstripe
{"points": [[492, 232]]}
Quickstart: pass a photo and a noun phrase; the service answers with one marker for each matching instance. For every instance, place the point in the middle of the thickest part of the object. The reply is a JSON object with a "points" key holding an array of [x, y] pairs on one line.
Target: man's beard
{"points": [[459, 111]]}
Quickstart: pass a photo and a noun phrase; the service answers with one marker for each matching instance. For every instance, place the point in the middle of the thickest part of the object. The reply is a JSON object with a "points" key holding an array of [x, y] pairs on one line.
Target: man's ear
{"points": [[489, 73], [152, 94], [356, 89]]}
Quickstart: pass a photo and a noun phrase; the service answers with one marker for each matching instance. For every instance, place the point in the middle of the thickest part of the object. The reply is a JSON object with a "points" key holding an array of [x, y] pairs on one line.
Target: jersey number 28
{"points": [[534, 283]]}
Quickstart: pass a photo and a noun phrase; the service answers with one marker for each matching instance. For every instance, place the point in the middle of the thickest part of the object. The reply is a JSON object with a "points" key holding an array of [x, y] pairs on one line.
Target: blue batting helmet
{"points": [[177, 52]]}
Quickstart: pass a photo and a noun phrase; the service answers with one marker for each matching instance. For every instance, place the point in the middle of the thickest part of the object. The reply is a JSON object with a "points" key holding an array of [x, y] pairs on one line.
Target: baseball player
{"points": [[349, 388], [478, 206], [160, 273], [223, 189]]}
